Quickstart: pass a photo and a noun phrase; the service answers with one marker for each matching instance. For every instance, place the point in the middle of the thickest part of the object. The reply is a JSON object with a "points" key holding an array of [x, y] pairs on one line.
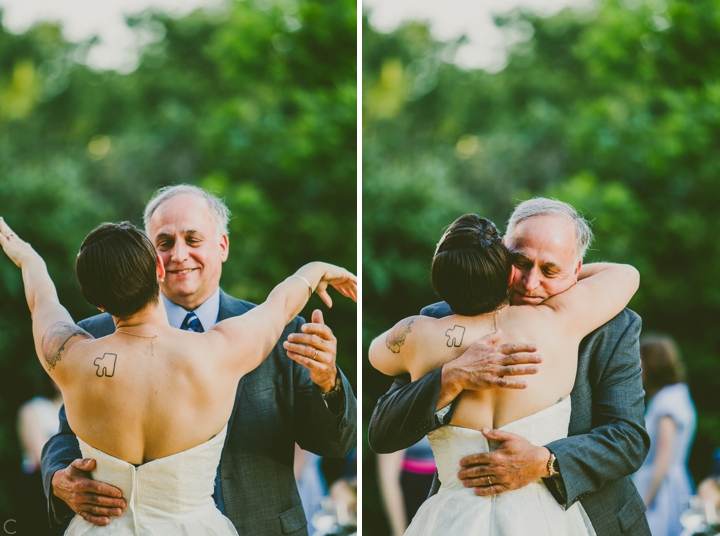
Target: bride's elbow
{"points": [[373, 354], [633, 276], [377, 355]]}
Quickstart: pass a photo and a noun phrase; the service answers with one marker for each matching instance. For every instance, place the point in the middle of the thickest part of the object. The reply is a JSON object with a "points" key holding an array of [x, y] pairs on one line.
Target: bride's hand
{"points": [[343, 281], [15, 248]]}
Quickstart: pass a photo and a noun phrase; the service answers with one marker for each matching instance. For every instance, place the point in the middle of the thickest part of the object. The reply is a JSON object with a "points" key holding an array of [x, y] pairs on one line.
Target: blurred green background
{"points": [[614, 110], [256, 102]]}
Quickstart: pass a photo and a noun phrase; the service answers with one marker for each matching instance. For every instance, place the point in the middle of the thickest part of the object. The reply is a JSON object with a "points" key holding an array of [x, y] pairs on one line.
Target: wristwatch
{"points": [[552, 466], [335, 391]]}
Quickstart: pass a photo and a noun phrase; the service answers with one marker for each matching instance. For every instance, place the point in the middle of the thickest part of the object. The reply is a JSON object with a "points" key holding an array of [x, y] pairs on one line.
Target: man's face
{"points": [[185, 236], [544, 259]]}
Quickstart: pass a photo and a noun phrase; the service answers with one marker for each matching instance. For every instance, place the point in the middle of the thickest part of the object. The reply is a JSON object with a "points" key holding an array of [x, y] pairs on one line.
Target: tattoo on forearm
{"points": [[55, 340], [105, 365], [396, 338], [455, 336]]}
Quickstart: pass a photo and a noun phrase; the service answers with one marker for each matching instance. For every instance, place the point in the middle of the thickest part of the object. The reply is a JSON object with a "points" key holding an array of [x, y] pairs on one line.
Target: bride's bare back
{"points": [[449, 337], [140, 399]]}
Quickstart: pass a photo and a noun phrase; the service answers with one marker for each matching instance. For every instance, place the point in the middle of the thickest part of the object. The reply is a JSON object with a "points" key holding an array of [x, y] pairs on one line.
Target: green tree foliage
{"points": [[256, 102], [614, 111]]}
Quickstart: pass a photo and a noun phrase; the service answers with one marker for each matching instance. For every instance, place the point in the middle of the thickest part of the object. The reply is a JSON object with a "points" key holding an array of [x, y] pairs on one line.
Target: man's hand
{"points": [[485, 365], [513, 465], [93, 501], [316, 350]]}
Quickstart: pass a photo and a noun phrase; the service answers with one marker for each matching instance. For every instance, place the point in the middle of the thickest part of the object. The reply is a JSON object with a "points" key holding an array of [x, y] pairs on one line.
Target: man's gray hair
{"points": [[543, 206], [220, 212]]}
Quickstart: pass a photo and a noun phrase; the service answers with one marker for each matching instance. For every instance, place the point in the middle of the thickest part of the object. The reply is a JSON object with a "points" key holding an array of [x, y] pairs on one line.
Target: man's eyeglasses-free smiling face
{"points": [[185, 235]]}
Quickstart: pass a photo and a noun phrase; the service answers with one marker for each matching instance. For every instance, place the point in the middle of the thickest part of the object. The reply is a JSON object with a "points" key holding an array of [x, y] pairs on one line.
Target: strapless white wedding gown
{"points": [[532, 510], [167, 496]]}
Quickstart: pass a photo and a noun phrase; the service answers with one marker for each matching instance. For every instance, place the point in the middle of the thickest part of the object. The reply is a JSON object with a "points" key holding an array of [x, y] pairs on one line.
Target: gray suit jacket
{"points": [[276, 406], [607, 438]]}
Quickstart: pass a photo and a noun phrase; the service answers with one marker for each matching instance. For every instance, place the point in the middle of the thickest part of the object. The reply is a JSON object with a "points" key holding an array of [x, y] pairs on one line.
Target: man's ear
{"points": [[224, 247], [160, 267], [577, 270]]}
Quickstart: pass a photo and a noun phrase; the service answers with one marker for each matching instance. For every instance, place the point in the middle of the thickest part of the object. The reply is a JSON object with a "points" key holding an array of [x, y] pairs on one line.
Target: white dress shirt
{"points": [[207, 312]]}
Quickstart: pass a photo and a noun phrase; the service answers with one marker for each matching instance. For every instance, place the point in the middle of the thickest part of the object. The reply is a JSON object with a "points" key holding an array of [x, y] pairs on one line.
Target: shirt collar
{"points": [[207, 312]]}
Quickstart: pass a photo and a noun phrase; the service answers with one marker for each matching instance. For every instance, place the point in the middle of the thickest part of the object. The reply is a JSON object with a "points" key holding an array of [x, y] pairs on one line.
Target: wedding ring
{"points": [[314, 355], [489, 481]]}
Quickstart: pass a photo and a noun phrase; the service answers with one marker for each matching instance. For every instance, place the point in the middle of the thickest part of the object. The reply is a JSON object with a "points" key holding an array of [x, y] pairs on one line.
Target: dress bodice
{"points": [[173, 491], [451, 443], [456, 509]]}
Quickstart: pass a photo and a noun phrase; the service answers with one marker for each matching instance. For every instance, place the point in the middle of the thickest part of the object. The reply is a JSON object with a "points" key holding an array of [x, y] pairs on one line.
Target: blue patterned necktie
{"points": [[192, 323]]}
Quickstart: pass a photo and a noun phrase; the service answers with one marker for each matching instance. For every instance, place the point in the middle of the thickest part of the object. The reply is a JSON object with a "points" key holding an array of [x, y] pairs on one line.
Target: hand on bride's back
{"points": [[514, 464], [487, 365], [93, 501]]}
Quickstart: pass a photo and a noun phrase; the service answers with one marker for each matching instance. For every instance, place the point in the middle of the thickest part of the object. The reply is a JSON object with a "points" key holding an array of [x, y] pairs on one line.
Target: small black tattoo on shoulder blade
{"points": [[395, 340], [455, 336], [105, 365], [55, 340]]}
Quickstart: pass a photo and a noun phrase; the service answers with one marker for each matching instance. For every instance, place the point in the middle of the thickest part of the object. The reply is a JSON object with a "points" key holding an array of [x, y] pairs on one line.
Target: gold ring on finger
{"points": [[489, 481], [314, 356]]}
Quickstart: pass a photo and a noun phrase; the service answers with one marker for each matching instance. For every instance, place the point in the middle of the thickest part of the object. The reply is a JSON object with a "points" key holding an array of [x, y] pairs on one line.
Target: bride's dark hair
{"points": [[116, 269], [471, 267]]}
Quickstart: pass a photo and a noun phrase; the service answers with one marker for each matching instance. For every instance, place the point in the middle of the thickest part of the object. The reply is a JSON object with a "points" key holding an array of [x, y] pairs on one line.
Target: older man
{"points": [[607, 439], [297, 395]]}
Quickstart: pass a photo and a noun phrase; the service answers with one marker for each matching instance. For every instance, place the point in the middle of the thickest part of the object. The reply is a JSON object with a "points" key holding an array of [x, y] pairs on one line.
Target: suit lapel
{"points": [[230, 307]]}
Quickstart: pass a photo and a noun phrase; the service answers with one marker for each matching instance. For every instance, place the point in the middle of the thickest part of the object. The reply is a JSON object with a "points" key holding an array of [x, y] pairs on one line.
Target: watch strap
{"points": [[335, 391]]}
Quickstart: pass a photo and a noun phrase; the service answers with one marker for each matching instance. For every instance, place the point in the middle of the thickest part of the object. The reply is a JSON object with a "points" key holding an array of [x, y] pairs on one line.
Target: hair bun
{"points": [[488, 232], [469, 231], [471, 267]]}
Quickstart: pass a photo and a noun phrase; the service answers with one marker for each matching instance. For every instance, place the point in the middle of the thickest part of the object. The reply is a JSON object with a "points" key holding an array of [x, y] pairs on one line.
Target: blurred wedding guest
{"points": [[405, 480], [310, 480], [663, 480], [343, 494], [37, 422], [709, 489]]}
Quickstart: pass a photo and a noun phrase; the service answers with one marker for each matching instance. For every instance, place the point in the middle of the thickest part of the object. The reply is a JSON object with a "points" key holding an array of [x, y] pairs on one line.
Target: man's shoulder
{"points": [[98, 325], [437, 310], [603, 342], [231, 306], [620, 323], [234, 306]]}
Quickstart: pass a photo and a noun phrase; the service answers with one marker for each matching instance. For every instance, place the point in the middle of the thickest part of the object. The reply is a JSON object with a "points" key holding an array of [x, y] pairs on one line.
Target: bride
{"points": [[151, 403], [470, 271]]}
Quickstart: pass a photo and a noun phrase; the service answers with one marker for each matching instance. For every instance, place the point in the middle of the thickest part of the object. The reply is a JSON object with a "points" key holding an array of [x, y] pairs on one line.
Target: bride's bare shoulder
{"points": [[57, 340]]}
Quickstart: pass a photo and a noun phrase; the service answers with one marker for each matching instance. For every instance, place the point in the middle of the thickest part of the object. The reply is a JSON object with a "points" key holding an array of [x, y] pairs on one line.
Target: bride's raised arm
{"points": [[54, 330], [245, 341], [602, 291]]}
